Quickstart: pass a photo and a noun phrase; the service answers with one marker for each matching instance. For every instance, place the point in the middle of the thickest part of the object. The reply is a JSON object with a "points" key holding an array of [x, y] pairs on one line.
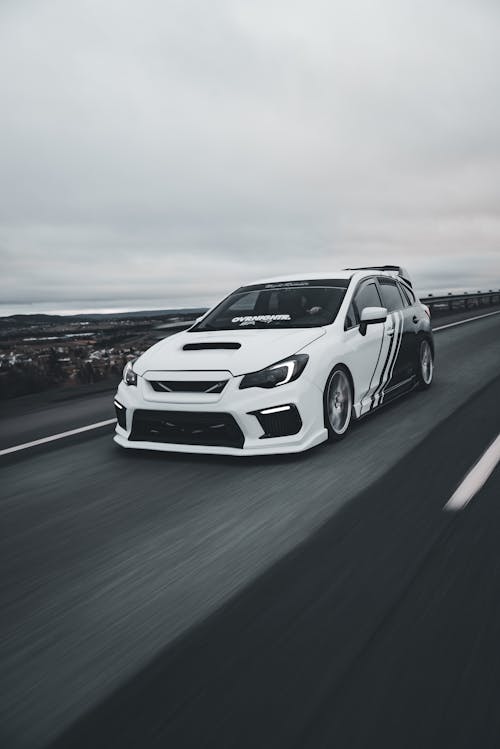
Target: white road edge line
{"points": [[60, 436], [462, 322], [476, 478]]}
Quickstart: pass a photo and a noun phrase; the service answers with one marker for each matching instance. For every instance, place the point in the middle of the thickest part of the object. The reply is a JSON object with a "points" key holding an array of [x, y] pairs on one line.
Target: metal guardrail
{"points": [[457, 302]]}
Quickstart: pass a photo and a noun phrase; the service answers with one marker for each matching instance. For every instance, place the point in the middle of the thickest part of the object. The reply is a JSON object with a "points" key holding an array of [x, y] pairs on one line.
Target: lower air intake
{"points": [[121, 415], [186, 428], [282, 423]]}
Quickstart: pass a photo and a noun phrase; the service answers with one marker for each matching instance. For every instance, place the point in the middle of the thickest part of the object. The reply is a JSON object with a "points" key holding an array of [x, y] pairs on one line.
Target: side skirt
{"points": [[395, 395]]}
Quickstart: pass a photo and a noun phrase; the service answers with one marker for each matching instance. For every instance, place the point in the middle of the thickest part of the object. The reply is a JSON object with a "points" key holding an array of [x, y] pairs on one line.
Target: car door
{"points": [[364, 350], [399, 326]]}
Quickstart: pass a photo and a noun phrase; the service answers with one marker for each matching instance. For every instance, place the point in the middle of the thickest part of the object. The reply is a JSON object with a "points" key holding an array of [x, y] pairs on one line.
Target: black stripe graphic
{"points": [[381, 381], [371, 378], [396, 354]]}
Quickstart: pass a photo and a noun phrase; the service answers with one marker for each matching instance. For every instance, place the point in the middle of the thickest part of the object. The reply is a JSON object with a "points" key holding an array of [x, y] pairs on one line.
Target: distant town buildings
{"points": [[37, 354]]}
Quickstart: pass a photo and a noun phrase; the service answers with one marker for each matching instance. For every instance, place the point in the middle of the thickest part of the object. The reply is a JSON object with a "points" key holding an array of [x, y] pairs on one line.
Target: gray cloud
{"points": [[171, 150]]}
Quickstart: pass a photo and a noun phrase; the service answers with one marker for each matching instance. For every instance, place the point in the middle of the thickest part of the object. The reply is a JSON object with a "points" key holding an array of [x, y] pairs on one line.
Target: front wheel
{"points": [[338, 404], [425, 371]]}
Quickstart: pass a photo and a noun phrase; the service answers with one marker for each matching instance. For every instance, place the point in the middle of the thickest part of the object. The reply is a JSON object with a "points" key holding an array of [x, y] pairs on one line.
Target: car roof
{"points": [[303, 277], [340, 274]]}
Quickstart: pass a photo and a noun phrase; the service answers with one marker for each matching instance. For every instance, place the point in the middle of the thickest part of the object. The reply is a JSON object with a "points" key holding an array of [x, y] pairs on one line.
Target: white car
{"points": [[279, 366]]}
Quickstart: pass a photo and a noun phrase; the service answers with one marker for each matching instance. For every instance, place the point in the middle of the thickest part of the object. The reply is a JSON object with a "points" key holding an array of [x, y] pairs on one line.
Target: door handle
{"points": [[390, 332]]}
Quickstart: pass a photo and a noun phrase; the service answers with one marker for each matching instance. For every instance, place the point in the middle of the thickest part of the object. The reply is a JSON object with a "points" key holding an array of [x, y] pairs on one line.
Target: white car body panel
{"points": [[256, 346]]}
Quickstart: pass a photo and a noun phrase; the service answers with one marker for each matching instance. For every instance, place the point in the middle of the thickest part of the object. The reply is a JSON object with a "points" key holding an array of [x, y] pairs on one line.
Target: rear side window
{"points": [[391, 297], [408, 295], [367, 296]]}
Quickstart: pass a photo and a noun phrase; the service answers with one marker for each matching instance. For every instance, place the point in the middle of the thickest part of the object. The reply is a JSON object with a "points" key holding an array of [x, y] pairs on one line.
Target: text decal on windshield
{"points": [[251, 319], [286, 284]]}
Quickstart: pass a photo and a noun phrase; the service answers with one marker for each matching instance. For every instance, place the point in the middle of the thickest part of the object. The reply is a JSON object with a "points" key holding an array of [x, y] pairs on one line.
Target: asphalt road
{"points": [[43, 414], [114, 561], [380, 630]]}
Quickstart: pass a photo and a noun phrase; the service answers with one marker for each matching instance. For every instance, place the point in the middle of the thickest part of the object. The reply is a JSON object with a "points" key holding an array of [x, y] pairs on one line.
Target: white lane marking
{"points": [[462, 322], [476, 478], [60, 436]]}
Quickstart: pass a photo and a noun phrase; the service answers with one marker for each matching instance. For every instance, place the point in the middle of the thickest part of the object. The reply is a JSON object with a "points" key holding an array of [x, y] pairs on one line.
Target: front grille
{"points": [[190, 386], [186, 428]]}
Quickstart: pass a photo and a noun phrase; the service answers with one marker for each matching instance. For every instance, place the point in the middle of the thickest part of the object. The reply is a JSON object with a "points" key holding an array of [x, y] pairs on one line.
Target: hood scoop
{"points": [[210, 346]]}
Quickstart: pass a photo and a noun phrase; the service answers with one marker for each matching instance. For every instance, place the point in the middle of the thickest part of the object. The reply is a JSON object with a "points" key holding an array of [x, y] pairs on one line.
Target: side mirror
{"points": [[371, 316]]}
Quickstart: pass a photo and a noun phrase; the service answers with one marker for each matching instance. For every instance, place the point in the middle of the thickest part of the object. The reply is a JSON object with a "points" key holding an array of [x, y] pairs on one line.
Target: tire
{"points": [[337, 404], [425, 365]]}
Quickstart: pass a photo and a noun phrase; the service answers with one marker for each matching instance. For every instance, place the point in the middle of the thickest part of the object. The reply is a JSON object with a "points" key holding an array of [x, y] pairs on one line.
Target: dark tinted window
{"points": [[367, 296], [351, 319], [391, 298], [286, 306], [407, 293]]}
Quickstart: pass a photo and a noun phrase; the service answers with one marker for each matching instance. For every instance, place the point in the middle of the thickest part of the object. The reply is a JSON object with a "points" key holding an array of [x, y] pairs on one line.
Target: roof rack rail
{"points": [[401, 272]]}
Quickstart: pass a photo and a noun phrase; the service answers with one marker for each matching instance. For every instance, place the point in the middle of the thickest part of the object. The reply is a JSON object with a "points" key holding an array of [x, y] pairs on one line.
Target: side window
{"points": [[407, 293], [391, 298], [366, 296], [351, 319]]}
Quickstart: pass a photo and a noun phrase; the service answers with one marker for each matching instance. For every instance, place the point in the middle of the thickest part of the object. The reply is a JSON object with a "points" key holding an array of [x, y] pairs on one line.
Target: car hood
{"points": [[251, 350]]}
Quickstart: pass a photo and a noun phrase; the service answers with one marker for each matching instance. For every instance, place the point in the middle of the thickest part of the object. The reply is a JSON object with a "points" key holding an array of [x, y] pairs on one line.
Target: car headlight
{"points": [[129, 376], [277, 374]]}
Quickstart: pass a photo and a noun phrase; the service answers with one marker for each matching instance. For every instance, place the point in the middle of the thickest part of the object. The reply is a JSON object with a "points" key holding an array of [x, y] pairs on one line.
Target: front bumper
{"points": [[231, 423]]}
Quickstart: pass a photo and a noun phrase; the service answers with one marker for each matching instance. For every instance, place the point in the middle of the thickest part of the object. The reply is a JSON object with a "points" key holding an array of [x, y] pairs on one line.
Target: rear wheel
{"points": [[425, 371], [338, 404]]}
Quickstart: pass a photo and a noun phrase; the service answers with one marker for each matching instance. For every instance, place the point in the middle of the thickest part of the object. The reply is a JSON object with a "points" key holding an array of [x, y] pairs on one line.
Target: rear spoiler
{"points": [[394, 269]]}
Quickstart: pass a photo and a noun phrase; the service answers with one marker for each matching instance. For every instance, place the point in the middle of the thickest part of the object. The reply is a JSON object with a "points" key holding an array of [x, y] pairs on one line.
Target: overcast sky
{"points": [[161, 153]]}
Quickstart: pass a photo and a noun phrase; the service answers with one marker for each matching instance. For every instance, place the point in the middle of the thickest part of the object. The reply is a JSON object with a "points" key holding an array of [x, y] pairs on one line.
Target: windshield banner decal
{"points": [[251, 319]]}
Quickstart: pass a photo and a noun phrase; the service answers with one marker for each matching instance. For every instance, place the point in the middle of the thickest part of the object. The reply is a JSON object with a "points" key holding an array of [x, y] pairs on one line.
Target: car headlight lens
{"points": [[129, 376], [277, 374]]}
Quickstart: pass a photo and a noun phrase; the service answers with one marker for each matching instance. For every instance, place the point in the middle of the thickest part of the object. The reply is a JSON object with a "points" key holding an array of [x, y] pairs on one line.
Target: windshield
{"points": [[301, 304]]}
